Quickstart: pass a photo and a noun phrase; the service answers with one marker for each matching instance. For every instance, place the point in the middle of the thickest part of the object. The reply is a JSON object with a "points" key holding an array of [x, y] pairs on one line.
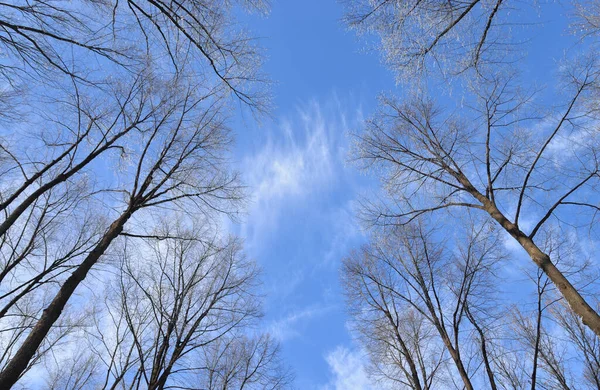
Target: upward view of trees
{"points": [[114, 174], [115, 271], [475, 159]]}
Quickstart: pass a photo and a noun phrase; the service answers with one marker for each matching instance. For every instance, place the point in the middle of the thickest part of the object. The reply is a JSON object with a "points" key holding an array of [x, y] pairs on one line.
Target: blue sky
{"points": [[300, 222], [303, 189]]}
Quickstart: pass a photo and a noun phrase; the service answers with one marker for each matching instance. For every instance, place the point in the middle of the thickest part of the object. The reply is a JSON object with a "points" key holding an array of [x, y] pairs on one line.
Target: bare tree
{"points": [[176, 317], [431, 316], [418, 37], [544, 355], [412, 301], [587, 22], [586, 342], [178, 162], [73, 39], [487, 157], [239, 362], [122, 113], [483, 159], [75, 374], [181, 300], [84, 132], [48, 199], [397, 337], [545, 332]]}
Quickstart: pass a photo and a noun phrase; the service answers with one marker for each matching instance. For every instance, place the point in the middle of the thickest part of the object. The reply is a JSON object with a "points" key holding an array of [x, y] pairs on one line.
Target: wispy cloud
{"points": [[288, 327], [300, 223], [347, 368], [300, 160]]}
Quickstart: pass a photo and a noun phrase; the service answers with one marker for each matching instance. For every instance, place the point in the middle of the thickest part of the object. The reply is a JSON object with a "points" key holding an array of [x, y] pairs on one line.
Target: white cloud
{"points": [[295, 164], [298, 164], [286, 328], [347, 367]]}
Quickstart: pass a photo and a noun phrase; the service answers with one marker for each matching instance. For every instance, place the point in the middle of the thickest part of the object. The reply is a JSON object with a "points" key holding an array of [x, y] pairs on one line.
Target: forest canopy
{"points": [[444, 232]]}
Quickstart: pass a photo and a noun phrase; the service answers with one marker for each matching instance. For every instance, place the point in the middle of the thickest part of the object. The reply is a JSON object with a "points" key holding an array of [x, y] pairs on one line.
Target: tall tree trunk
{"points": [[538, 336], [579, 305], [411, 364], [484, 352], [19, 362], [455, 354]]}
